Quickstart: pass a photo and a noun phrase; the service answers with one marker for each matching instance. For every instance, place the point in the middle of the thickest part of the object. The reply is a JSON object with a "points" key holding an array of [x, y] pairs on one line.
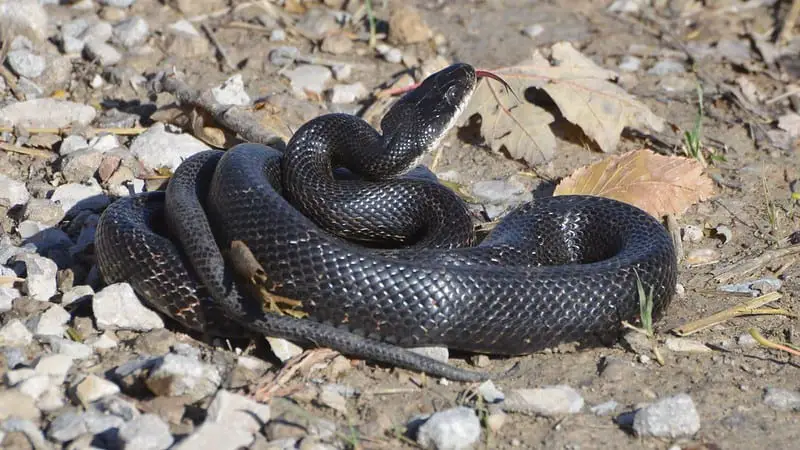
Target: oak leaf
{"points": [[583, 92], [655, 183]]}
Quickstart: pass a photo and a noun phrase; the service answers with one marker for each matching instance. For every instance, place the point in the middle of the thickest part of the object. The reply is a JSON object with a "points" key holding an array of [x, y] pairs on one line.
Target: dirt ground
{"points": [[753, 200]]}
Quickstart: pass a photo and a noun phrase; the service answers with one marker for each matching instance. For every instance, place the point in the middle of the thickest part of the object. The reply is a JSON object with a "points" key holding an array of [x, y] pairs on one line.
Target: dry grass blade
{"points": [[749, 308], [26, 151], [745, 267], [655, 183], [774, 345]]}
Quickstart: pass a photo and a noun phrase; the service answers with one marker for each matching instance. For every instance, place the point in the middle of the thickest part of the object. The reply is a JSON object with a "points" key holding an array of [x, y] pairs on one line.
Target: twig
{"points": [[788, 24], [67, 130], [235, 118], [780, 97], [26, 151], [744, 267], [220, 49], [749, 308]]}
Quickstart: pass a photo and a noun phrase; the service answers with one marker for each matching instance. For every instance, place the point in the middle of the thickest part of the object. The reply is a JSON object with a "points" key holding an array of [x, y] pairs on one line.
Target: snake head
{"points": [[423, 116]]}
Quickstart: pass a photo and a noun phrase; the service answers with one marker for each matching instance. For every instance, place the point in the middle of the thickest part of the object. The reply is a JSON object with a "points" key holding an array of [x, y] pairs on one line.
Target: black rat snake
{"points": [[558, 269]]}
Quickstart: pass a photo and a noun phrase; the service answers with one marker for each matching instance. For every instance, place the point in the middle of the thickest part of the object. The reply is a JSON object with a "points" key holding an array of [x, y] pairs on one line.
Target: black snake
{"points": [[558, 269]]}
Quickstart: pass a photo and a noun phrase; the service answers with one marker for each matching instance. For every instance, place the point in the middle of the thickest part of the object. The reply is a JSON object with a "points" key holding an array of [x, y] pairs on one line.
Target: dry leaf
{"points": [[655, 183], [583, 93]]}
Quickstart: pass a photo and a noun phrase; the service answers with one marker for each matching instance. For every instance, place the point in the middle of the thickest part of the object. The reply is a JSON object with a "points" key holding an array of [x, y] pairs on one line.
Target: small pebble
{"points": [[117, 307], [175, 375], [452, 429], [630, 64], [231, 92], [546, 401], [103, 53], [283, 349], [348, 93], [665, 67], [147, 431], [533, 30], [157, 148], [604, 408], [52, 322], [93, 388], [131, 32], [308, 78], [671, 417], [238, 411], [15, 334], [80, 197], [215, 436], [26, 63], [12, 192], [782, 399]]}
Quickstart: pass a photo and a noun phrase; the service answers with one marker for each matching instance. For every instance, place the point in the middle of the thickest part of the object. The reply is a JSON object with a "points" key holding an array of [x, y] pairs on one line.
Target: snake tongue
{"points": [[487, 74]]}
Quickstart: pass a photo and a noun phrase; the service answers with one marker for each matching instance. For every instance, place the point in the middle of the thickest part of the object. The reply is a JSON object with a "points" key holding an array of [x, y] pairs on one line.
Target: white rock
{"points": [[215, 436], [40, 278], [184, 26], [25, 63], [157, 148], [15, 334], [24, 16], [55, 366], [104, 142], [103, 53], [308, 78], [35, 386], [81, 165], [670, 417], [490, 392], [93, 388], [72, 143], [7, 297], [546, 401], [630, 64], [12, 192], [178, 375], [146, 432], [238, 411], [97, 32], [782, 399], [46, 113], [131, 32], [394, 55], [283, 349], [75, 293], [51, 399], [342, 71], [72, 349], [14, 377], [231, 92], [52, 322], [103, 342], [453, 429], [117, 307], [80, 196], [348, 93], [30, 228]]}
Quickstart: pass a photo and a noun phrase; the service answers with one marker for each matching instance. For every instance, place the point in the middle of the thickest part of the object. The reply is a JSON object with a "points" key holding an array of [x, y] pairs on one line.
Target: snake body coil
{"points": [[555, 270]]}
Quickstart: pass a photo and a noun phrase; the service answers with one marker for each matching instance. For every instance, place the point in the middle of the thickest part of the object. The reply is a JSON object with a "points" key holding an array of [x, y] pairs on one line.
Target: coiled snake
{"points": [[558, 269]]}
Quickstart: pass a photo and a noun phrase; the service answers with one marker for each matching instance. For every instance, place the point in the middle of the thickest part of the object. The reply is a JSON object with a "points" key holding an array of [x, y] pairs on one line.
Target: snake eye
{"points": [[451, 95]]}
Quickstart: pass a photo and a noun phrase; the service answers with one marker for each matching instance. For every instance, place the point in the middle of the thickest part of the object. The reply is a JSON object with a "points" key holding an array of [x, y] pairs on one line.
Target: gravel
{"points": [[671, 417], [26, 63], [157, 148], [146, 432], [46, 113], [547, 401], [452, 429], [116, 306], [175, 375], [12, 192]]}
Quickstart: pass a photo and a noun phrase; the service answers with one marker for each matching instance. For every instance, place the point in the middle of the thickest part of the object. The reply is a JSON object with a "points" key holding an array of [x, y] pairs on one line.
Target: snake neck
{"points": [[343, 140]]}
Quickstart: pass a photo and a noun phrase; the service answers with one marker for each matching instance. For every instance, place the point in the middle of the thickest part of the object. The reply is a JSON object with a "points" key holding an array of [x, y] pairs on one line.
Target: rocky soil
{"points": [[86, 117]]}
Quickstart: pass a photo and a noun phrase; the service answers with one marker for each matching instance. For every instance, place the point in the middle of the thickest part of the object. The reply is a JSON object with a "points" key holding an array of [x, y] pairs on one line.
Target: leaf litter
{"points": [[656, 183], [583, 92]]}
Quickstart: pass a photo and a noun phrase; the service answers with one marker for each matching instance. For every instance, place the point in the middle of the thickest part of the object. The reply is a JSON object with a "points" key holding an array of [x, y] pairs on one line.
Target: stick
{"points": [[67, 130], [235, 118], [220, 49], [788, 24], [26, 151], [749, 308]]}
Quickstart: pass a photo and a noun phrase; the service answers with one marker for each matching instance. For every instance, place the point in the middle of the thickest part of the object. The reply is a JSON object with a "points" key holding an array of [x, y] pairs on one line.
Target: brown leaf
{"points": [[583, 92], [655, 183]]}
